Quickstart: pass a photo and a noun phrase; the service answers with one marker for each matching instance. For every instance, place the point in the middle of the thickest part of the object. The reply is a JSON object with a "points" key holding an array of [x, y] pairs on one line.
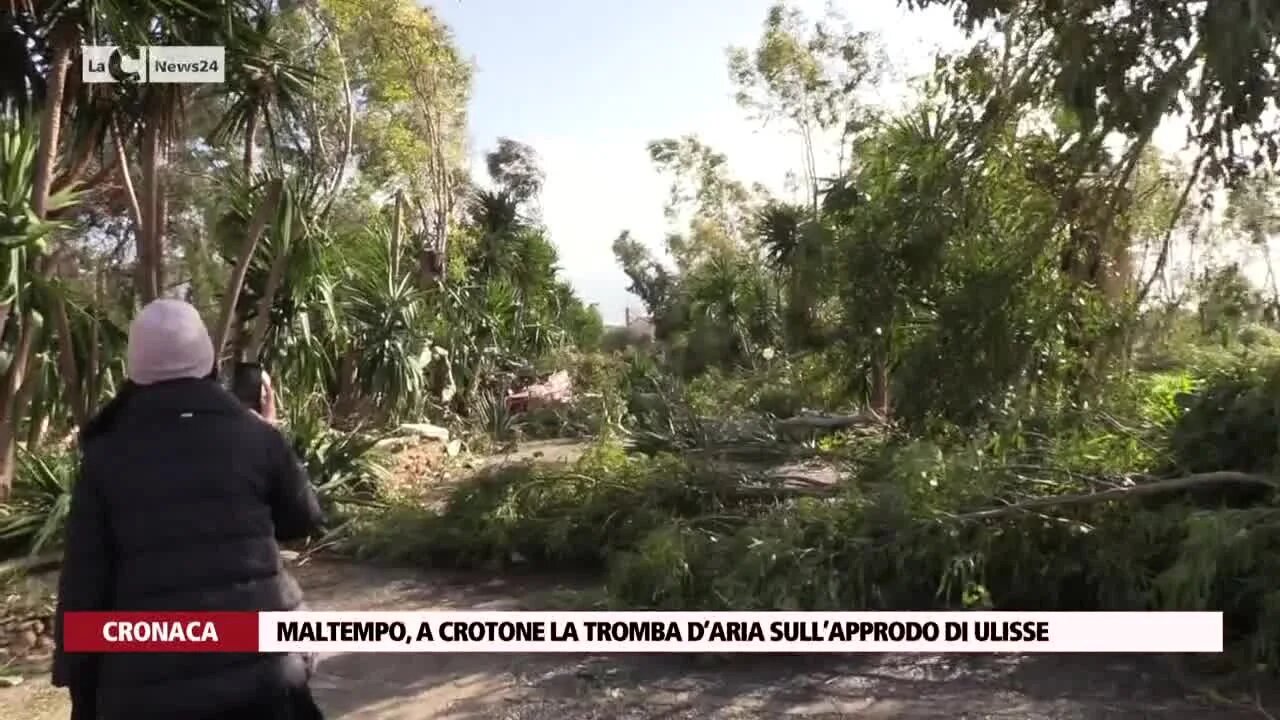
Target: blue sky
{"points": [[588, 83]]}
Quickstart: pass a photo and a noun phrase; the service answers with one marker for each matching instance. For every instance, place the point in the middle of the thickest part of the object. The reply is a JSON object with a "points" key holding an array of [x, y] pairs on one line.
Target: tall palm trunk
{"points": [[346, 403], [881, 402], [397, 223], [8, 395], [160, 235], [250, 131], [149, 202], [68, 367], [226, 314], [135, 210], [62, 43], [26, 394], [93, 373], [262, 323]]}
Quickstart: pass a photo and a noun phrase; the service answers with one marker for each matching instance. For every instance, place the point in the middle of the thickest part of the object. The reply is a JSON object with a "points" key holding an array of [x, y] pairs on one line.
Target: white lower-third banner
{"points": [[741, 632]]}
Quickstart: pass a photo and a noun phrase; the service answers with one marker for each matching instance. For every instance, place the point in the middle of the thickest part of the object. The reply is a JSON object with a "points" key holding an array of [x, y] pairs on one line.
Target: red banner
{"points": [[177, 632]]}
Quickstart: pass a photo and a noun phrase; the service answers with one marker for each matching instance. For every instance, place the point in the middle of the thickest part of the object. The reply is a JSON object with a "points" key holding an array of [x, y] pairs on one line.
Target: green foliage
{"points": [[551, 517], [345, 467], [598, 406], [782, 388], [1232, 424], [675, 533], [36, 515], [1123, 67], [1227, 301]]}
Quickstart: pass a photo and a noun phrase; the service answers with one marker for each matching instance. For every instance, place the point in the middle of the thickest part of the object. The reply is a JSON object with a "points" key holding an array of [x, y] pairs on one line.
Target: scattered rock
{"points": [[22, 642], [10, 680], [453, 447]]}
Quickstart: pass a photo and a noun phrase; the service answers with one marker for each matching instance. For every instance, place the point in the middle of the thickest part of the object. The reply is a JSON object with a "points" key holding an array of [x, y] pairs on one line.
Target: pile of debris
{"points": [[554, 390]]}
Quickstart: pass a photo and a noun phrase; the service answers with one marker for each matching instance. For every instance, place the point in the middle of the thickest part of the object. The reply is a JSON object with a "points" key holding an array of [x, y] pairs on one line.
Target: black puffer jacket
{"points": [[182, 498]]}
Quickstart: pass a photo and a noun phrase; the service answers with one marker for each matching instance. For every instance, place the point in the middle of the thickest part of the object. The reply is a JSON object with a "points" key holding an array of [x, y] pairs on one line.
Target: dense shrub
{"points": [[1232, 424]]}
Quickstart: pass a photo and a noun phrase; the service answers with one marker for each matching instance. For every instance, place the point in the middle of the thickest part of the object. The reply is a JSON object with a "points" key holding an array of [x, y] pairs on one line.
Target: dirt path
{"points": [[666, 687]]}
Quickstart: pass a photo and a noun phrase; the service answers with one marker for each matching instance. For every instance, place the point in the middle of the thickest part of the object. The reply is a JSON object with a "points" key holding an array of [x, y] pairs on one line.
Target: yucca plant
{"points": [[21, 230], [492, 415], [36, 515], [343, 466]]}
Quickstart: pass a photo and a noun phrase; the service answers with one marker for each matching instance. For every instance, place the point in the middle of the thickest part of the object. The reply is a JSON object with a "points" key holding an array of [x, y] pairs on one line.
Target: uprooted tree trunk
{"points": [[1154, 487]]}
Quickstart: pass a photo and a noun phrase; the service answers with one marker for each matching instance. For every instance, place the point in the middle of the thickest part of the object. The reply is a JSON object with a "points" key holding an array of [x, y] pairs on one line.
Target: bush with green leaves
{"points": [[36, 515], [1232, 424], [345, 467], [907, 535]]}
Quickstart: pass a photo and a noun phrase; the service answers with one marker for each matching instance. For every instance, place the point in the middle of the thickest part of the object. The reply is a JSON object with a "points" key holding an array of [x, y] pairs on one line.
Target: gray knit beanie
{"points": [[168, 341]]}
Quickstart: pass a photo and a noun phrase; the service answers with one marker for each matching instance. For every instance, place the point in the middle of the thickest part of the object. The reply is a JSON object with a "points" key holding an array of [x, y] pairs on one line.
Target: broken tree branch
{"points": [[1157, 487]]}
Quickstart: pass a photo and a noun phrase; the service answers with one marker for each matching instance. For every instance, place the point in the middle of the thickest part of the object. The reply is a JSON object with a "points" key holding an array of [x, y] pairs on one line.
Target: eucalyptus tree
{"points": [[813, 77], [1125, 66]]}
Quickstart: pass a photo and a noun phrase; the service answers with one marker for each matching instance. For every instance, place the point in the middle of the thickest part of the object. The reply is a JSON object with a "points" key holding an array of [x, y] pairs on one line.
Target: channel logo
{"points": [[154, 64], [111, 64]]}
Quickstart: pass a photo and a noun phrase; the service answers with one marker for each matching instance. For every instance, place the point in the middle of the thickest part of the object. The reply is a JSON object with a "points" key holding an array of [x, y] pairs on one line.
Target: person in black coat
{"points": [[182, 499]]}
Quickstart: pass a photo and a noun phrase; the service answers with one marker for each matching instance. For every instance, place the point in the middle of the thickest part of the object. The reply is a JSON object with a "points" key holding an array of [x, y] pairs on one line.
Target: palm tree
{"points": [[780, 227], [49, 35], [497, 220], [23, 234], [263, 87]]}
